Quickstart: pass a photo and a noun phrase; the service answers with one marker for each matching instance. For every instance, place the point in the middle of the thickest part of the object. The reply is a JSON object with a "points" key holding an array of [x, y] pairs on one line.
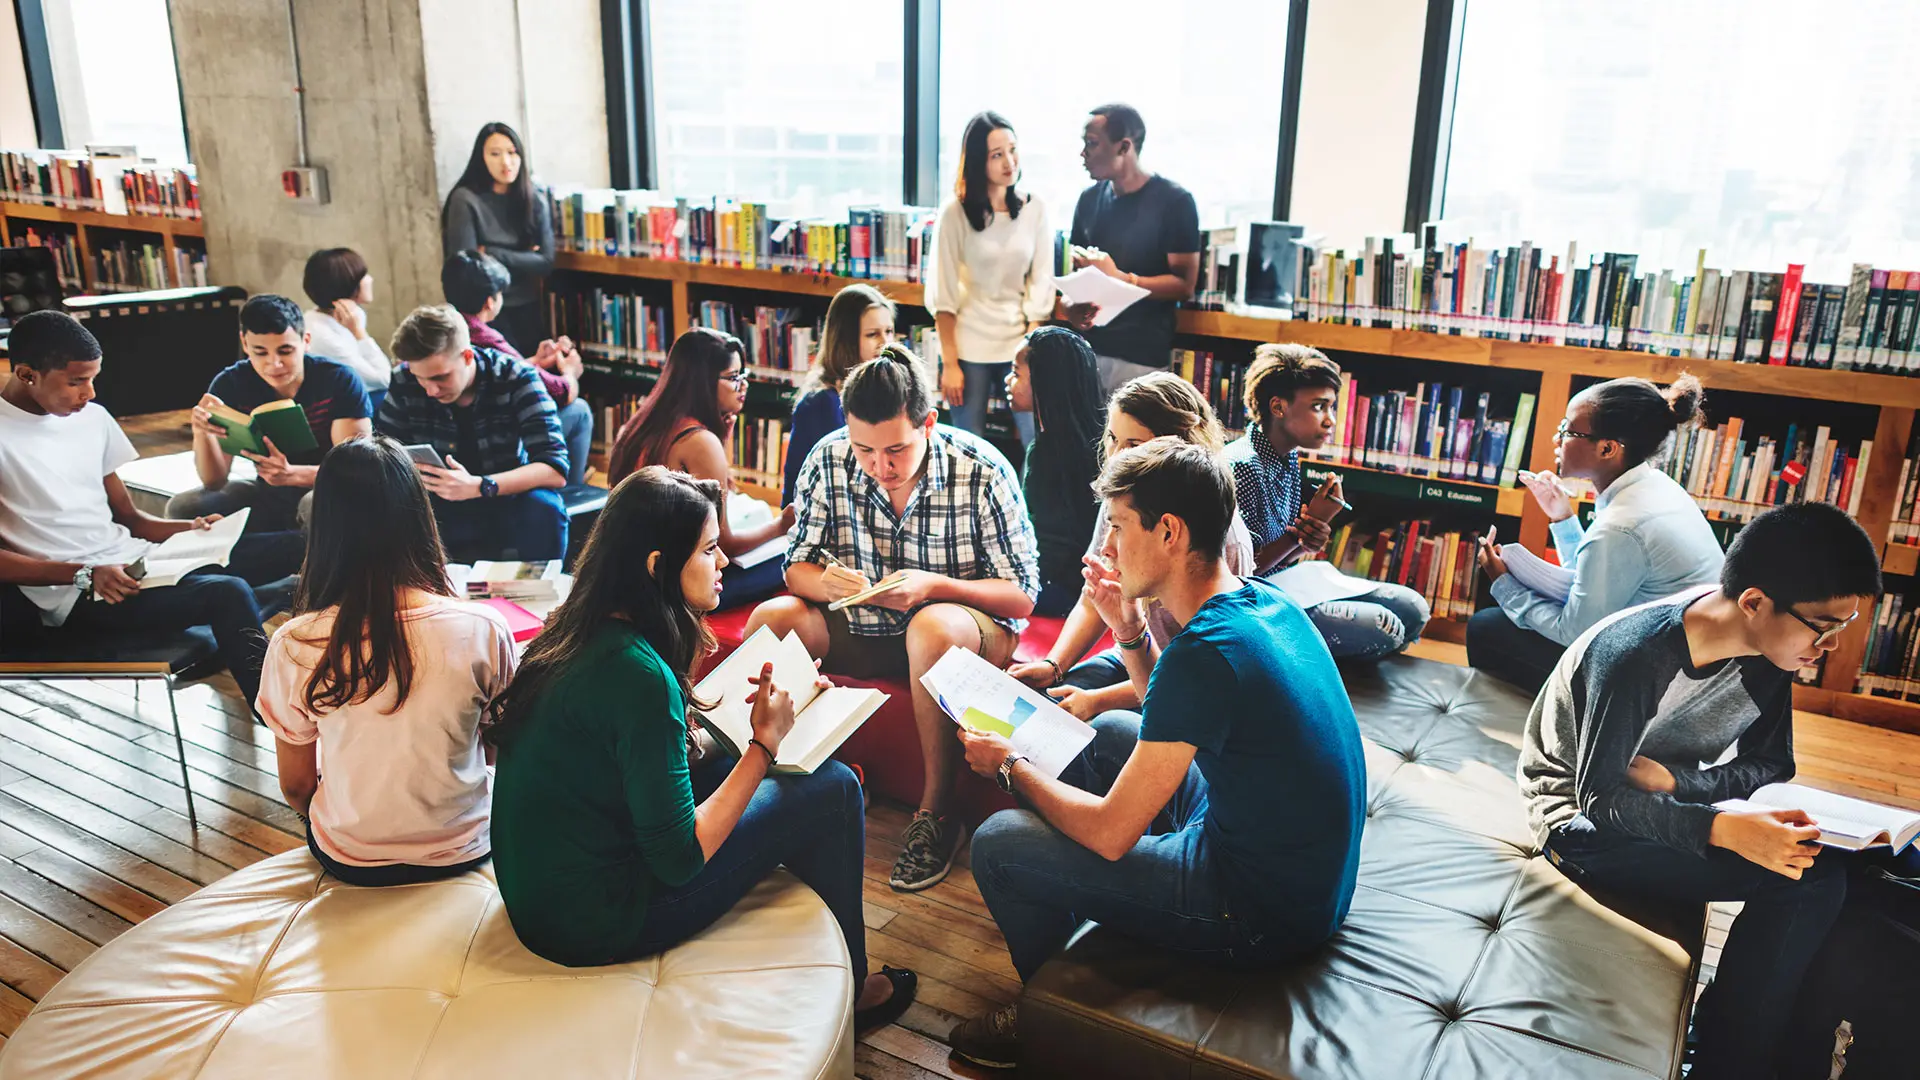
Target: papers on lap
{"points": [[1089, 286], [823, 719], [184, 552], [1315, 582], [981, 697], [1550, 580], [1852, 824]]}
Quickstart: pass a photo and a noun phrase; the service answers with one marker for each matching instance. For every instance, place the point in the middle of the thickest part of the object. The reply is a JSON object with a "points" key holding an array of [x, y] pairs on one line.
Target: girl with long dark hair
{"points": [[497, 209], [611, 845], [859, 324], [993, 273], [375, 691], [1056, 380], [686, 424]]}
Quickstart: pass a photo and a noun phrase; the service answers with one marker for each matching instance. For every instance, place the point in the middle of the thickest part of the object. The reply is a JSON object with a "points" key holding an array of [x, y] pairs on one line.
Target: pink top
{"points": [[411, 786]]}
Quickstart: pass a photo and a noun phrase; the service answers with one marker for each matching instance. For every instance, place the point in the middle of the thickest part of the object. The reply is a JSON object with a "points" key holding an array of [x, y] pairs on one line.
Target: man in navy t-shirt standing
{"points": [[1224, 820], [1141, 228], [273, 334]]}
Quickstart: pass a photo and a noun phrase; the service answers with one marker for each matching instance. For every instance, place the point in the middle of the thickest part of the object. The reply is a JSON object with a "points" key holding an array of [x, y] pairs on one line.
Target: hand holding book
{"points": [[772, 715]]}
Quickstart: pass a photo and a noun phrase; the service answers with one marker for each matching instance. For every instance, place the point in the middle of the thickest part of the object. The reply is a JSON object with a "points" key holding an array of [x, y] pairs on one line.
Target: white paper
{"points": [[1089, 286], [822, 718], [1048, 734], [184, 552], [772, 549], [1315, 582], [1550, 580], [746, 512]]}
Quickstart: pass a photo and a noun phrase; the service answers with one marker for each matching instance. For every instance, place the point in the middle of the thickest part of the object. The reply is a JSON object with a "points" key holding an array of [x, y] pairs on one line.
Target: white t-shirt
{"points": [[53, 496], [410, 786], [336, 342], [993, 280]]}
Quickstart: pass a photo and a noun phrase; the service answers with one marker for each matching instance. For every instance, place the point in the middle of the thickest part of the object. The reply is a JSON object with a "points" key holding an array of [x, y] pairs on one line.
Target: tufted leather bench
{"points": [[278, 970], [1466, 956]]}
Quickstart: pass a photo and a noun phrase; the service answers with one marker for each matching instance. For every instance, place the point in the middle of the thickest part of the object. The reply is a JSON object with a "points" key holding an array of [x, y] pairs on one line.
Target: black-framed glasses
{"points": [[737, 377], [1822, 635], [1564, 432]]}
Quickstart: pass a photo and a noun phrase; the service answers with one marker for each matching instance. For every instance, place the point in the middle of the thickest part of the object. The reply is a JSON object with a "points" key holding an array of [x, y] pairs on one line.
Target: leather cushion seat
{"points": [[1466, 955], [278, 970]]}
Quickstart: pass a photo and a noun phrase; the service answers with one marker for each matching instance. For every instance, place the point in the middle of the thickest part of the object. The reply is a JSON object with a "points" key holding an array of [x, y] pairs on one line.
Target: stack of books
{"points": [[1734, 476], [1439, 565], [514, 580]]}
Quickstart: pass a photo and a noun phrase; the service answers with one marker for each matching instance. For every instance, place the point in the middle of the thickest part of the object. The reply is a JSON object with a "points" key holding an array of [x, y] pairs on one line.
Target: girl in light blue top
{"points": [[1648, 538]]}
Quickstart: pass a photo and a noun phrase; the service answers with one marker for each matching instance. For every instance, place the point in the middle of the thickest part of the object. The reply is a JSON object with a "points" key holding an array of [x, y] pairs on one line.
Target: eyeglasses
{"points": [[1822, 635], [1563, 433], [737, 377]]}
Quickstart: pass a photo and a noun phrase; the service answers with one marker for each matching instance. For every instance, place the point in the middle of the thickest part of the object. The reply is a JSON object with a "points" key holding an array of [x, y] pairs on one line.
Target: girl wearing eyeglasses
{"points": [[686, 424], [1648, 538]]}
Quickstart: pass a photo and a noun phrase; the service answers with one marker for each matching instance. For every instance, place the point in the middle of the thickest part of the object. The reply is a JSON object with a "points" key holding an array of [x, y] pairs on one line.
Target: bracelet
{"points": [[764, 750], [1136, 643], [1057, 676]]}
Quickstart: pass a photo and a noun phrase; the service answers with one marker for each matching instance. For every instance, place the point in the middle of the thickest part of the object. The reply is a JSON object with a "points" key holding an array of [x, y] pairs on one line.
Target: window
{"points": [[1767, 132], [1206, 78], [114, 75], [779, 101]]}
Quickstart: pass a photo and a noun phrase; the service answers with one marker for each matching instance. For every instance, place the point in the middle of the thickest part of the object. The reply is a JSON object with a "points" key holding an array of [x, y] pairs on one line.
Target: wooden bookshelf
{"points": [[1557, 366], [16, 216]]}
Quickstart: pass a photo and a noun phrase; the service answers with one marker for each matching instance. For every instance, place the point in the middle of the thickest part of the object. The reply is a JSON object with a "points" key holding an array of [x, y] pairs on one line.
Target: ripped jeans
{"points": [[1372, 625]]}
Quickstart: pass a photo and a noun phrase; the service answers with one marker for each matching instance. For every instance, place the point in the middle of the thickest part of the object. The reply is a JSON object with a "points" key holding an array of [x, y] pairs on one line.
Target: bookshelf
{"points": [[1896, 398], [17, 217]]}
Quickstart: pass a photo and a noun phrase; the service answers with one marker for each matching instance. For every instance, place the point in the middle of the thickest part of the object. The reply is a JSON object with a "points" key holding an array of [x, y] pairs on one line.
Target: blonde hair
{"points": [[1166, 404], [429, 330]]}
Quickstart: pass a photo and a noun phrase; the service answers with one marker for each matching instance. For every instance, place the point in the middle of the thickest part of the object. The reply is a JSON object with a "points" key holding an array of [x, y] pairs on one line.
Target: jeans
{"points": [[1509, 652], [530, 526], [1115, 372], [275, 509], [523, 325], [1040, 885], [379, 877], [1740, 1017], [744, 585], [985, 382], [220, 598], [1058, 596], [813, 825], [1099, 670], [576, 430], [1372, 625]]}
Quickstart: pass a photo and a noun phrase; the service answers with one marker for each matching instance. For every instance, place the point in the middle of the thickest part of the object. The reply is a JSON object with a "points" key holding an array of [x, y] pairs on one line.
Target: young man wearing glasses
{"points": [[1612, 763]]}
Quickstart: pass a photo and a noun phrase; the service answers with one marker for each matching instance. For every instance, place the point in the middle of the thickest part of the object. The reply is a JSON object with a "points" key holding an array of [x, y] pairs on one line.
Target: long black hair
{"points": [[373, 537], [690, 386], [478, 180], [1067, 402], [971, 185], [652, 510]]}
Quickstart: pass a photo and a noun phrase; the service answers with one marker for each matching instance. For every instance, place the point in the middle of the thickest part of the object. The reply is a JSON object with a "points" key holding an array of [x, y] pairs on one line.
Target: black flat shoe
{"points": [[904, 984]]}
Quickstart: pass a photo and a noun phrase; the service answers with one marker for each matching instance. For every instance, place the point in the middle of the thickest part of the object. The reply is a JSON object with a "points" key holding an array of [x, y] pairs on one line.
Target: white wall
{"points": [[17, 129], [1360, 84]]}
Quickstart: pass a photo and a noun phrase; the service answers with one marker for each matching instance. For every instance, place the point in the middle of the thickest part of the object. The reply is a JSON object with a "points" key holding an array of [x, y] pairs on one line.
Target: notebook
{"points": [[823, 719], [522, 623]]}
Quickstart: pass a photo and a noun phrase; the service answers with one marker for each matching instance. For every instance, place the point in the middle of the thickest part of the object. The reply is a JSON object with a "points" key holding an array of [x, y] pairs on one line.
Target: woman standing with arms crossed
{"points": [[496, 207], [993, 273], [859, 325]]}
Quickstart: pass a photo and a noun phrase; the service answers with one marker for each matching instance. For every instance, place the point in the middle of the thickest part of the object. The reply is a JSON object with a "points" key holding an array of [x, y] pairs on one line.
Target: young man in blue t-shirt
{"points": [[1224, 820], [273, 334]]}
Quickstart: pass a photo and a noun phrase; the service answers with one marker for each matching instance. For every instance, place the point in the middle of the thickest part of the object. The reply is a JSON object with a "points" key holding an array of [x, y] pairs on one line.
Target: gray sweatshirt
{"points": [[485, 219], [1627, 687]]}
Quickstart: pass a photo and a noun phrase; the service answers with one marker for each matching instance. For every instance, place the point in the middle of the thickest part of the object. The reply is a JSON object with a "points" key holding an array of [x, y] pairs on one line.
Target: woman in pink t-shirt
{"points": [[376, 691]]}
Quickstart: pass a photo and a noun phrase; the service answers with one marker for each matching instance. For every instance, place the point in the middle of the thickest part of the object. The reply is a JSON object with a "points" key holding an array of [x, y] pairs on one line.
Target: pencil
{"points": [[893, 582]]}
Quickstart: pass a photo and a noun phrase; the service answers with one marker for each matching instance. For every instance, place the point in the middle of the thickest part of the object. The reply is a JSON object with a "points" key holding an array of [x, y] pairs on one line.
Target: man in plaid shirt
{"points": [[491, 421], [895, 496]]}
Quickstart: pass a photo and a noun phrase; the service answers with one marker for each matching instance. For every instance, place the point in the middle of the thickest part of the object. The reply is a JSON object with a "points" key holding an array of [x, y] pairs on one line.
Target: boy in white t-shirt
{"points": [[68, 528]]}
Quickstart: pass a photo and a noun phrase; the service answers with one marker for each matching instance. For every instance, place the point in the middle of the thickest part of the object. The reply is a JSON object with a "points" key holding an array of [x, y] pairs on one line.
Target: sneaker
{"points": [[992, 1040], [928, 855]]}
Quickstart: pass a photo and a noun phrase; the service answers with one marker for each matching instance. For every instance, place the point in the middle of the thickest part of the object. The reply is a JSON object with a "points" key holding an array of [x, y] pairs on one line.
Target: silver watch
{"points": [[83, 580], [1005, 776]]}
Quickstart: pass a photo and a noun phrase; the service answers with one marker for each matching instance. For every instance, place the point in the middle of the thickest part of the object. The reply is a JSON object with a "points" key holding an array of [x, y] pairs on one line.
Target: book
{"points": [[981, 697], [524, 625], [186, 551], [283, 421], [823, 717], [515, 580], [1850, 824]]}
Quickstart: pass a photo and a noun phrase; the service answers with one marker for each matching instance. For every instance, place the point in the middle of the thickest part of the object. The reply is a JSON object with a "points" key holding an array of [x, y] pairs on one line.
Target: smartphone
{"points": [[137, 569], [425, 454]]}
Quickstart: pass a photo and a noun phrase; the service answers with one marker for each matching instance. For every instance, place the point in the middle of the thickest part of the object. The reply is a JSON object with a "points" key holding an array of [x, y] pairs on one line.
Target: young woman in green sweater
{"points": [[609, 843]]}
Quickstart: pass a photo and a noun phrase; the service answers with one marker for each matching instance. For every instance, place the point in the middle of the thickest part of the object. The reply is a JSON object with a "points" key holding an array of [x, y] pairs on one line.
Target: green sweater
{"points": [[592, 807]]}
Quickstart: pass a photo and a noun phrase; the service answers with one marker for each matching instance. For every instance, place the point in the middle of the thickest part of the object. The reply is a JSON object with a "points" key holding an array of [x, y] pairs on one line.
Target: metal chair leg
{"points": [[180, 746]]}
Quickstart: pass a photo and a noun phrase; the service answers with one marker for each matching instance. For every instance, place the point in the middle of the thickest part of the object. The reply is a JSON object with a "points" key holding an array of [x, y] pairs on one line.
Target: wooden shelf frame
{"points": [[15, 217]]}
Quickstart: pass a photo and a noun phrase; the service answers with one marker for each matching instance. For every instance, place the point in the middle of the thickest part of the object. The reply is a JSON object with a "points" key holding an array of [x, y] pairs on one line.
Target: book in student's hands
{"points": [[981, 697], [283, 421], [189, 550], [1850, 824], [822, 718]]}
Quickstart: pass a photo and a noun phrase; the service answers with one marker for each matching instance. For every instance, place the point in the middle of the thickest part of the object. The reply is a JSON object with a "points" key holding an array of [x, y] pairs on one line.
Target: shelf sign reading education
{"points": [[1396, 485]]}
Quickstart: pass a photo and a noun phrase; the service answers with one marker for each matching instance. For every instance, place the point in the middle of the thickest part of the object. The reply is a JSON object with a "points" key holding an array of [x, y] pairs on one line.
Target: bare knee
{"points": [[937, 628], [784, 614]]}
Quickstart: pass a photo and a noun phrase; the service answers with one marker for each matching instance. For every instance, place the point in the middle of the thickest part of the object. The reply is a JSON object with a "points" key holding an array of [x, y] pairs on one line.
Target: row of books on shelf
{"points": [[888, 243], [1432, 430], [124, 266], [1440, 565], [1891, 667], [778, 338], [1521, 293], [1735, 476], [106, 183], [1904, 528], [760, 448], [65, 247], [620, 327]]}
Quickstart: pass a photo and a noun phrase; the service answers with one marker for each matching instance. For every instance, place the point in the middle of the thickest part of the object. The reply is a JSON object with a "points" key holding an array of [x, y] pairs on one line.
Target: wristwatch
{"points": [[489, 487], [83, 580], [1005, 776]]}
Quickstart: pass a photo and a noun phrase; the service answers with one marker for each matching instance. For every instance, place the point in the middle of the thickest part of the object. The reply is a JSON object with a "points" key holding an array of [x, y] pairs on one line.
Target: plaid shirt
{"points": [[966, 519], [1267, 483], [513, 419]]}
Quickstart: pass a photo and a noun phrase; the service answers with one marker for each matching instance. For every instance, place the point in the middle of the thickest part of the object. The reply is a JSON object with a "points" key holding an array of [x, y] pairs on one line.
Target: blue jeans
{"points": [[529, 526], [1510, 652], [1372, 625], [813, 825], [1740, 1017], [379, 877], [1099, 670], [744, 585], [1040, 885], [984, 382], [576, 430]]}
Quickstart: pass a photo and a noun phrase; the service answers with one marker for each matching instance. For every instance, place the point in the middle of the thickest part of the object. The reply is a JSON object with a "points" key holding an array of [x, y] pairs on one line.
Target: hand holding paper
{"points": [[1089, 286]]}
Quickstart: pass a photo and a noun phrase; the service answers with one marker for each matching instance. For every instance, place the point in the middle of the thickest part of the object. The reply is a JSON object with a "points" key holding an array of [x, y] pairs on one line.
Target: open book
{"points": [[283, 421], [981, 697], [1852, 824], [184, 552], [822, 719], [1550, 580]]}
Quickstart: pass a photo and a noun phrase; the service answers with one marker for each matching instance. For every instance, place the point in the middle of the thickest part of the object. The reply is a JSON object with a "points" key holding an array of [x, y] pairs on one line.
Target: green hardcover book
{"points": [[1517, 442], [283, 421]]}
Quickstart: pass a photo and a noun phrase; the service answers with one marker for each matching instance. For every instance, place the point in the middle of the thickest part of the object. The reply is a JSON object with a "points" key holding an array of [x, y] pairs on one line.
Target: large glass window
{"points": [[1206, 78], [114, 75], [1767, 132], [794, 103]]}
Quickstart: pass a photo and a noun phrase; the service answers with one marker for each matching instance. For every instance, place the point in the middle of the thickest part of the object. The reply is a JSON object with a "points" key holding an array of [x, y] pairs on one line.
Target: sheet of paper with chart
{"points": [[979, 696]]}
